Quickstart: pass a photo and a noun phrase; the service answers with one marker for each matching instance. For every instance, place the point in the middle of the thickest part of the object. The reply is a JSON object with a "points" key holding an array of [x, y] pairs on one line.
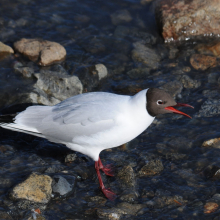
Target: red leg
{"points": [[108, 169], [109, 194]]}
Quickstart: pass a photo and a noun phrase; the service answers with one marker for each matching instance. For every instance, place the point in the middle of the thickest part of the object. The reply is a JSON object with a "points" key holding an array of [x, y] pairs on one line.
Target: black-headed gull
{"points": [[92, 122]]}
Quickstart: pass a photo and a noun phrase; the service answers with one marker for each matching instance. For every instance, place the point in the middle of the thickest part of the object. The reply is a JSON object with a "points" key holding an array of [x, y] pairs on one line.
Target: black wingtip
{"points": [[7, 118]]}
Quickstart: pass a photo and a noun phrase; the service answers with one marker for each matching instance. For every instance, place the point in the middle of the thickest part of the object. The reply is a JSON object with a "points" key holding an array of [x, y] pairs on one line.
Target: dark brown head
{"points": [[160, 102]]}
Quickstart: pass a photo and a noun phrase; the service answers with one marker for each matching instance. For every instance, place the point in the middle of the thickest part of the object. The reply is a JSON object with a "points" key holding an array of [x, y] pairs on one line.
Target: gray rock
{"points": [[61, 186], [70, 158], [209, 108], [55, 86], [213, 77], [174, 88], [120, 17], [145, 55], [126, 177], [152, 167], [120, 210], [138, 73], [189, 83]]}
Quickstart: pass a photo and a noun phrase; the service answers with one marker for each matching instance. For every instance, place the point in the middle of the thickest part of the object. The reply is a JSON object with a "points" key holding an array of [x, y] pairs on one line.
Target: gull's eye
{"points": [[159, 102]]}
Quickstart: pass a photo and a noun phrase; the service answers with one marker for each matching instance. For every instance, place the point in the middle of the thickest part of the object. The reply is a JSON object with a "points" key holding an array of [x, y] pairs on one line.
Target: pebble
{"points": [[120, 17], [36, 188]]}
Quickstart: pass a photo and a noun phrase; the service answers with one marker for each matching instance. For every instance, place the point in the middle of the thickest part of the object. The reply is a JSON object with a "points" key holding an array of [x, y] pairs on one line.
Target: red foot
{"points": [[109, 194], [108, 170]]}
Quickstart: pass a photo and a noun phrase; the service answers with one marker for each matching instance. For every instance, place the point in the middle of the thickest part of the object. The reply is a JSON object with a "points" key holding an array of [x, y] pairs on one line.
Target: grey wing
{"points": [[82, 116]]}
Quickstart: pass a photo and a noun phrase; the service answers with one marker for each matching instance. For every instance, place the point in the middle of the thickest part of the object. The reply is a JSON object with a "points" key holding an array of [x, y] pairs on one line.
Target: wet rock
{"points": [[210, 93], [120, 210], [120, 17], [41, 51], [212, 49], [210, 207], [90, 76], [82, 18], [151, 168], [213, 77], [25, 71], [36, 188], [127, 177], [70, 158], [209, 108], [5, 48], [189, 83], [138, 73], [97, 200], [30, 205], [94, 45], [215, 143], [145, 55], [129, 196], [202, 62], [144, 2], [55, 86], [61, 186], [181, 20], [212, 171], [174, 88], [5, 216]]}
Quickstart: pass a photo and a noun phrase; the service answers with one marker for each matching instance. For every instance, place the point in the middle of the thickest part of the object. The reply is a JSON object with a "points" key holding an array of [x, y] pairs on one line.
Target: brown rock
{"points": [[183, 19], [202, 62], [42, 51], [210, 207], [153, 167], [36, 188], [5, 48], [212, 49], [212, 143], [127, 177]]}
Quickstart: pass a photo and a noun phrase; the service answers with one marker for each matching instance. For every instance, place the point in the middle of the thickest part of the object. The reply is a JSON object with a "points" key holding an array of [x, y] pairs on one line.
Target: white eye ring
{"points": [[159, 102]]}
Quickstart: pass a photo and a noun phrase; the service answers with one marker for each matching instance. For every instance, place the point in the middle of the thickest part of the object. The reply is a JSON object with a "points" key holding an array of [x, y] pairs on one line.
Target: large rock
{"points": [[209, 108], [55, 86], [202, 62], [145, 55], [41, 51], [36, 188], [181, 19]]}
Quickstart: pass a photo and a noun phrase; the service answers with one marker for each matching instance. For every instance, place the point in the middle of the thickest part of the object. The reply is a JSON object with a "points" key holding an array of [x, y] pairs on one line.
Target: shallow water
{"points": [[86, 30]]}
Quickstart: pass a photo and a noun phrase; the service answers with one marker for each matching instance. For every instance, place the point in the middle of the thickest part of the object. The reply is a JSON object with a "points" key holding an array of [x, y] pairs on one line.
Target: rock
{"points": [[213, 77], [202, 62], [144, 2], [210, 207], [41, 51], [25, 71], [120, 17], [120, 210], [127, 177], [70, 158], [138, 73], [215, 142], [101, 70], [181, 20], [212, 171], [174, 88], [5, 216], [212, 49], [145, 55], [55, 86], [90, 76], [152, 167], [61, 186], [36, 188], [189, 83], [5, 48], [209, 108]]}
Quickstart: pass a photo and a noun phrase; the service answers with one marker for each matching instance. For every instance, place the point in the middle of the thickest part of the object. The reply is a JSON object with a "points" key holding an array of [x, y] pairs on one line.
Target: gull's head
{"points": [[161, 102]]}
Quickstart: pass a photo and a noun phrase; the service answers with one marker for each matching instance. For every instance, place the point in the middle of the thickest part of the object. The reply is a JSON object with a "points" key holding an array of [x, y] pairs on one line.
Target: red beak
{"points": [[170, 108]]}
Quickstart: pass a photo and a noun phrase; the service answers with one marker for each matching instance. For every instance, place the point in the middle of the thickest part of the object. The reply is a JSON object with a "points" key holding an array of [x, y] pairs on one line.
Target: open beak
{"points": [[172, 109]]}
